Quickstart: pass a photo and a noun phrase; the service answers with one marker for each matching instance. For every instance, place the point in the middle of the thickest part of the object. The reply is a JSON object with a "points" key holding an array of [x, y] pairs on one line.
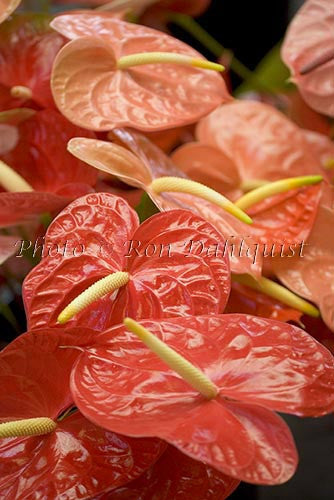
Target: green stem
{"points": [[200, 34]]}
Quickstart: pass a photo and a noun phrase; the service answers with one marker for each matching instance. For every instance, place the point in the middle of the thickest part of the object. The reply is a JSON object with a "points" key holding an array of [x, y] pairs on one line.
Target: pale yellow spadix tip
{"points": [[100, 288], [11, 180], [27, 427], [194, 376], [277, 187], [21, 92], [187, 186], [143, 58], [277, 291]]}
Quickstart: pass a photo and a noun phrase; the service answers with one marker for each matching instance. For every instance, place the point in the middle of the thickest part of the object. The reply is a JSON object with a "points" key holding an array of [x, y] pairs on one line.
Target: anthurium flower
{"points": [[145, 166], [312, 276], [116, 74], [207, 384], [282, 219], [161, 267], [308, 50], [177, 476], [28, 47], [256, 140], [46, 451], [253, 151], [48, 177]]}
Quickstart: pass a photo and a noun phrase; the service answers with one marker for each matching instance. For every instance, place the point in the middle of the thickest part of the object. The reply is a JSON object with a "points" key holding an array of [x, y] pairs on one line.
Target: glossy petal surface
{"points": [[91, 92], [174, 265], [175, 476], [96, 228], [78, 459], [256, 139], [219, 173], [20, 207], [308, 50], [143, 162], [27, 42], [280, 219], [312, 275], [250, 360], [169, 276], [41, 157], [285, 219], [26, 368]]}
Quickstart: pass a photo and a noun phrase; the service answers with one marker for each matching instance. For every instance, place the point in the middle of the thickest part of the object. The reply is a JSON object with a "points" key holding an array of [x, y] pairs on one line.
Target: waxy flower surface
{"points": [[163, 234], [38, 152], [95, 90], [308, 50], [75, 459], [312, 276], [254, 366], [176, 475], [143, 164], [28, 47], [160, 274]]}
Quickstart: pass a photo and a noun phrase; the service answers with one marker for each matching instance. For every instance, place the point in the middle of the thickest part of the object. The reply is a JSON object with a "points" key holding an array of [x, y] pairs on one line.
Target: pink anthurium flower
{"points": [[142, 163], [46, 451], [282, 219], [177, 476], [256, 140], [120, 90], [308, 50], [28, 47], [48, 177], [312, 276], [7, 7], [161, 267], [212, 384]]}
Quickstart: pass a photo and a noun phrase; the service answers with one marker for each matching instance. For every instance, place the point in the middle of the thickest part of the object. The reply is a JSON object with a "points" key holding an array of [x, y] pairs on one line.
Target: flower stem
{"points": [[180, 185], [195, 377], [140, 59], [94, 292], [277, 187], [277, 291]]}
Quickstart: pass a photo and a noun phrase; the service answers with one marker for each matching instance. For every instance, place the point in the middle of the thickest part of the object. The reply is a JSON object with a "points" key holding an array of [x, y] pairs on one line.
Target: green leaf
{"points": [[146, 208]]}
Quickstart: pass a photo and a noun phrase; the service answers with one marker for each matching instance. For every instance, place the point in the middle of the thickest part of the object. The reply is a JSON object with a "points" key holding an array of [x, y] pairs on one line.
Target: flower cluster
{"points": [[158, 354]]}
